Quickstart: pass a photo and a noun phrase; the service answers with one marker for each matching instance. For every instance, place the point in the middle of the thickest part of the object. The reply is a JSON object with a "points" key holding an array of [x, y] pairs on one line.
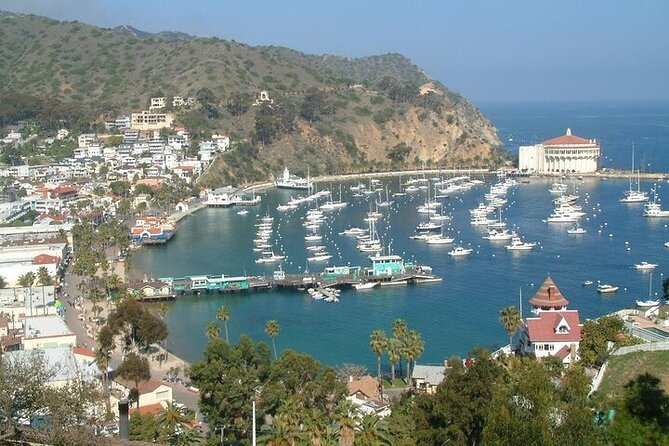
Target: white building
{"points": [[86, 139], [147, 120], [44, 332], [564, 154], [554, 330], [62, 134], [63, 364], [157, 103], [17, 303]]}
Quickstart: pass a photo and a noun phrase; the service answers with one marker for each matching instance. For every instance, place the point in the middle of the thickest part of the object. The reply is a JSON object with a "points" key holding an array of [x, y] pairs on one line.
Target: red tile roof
{"points": [[45, 259], [144, 386], [83, 351], [567, 139], [563, 352], [549, 295], [368, 386], [154, 409], [543, 328]]}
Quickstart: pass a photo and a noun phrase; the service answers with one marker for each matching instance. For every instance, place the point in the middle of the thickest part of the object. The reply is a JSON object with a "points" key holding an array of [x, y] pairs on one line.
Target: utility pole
{"points": [[253, 435]]}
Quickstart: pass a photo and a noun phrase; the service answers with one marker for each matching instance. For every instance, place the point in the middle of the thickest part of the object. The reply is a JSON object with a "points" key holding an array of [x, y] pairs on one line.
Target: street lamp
{"points": [[222, 430]]}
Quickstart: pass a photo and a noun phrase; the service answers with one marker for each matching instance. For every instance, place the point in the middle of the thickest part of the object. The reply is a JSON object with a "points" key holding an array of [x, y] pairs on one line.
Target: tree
{"points": [[3, 283], [413, 349], [212, 331], [272, 330], [372, 431], [393, 355], [134, 368], [509, 317], [106, 345], [378, 342], [172, 418], [163, 309], [400, 331], [223, 314], [27, 280], [346, 416]]}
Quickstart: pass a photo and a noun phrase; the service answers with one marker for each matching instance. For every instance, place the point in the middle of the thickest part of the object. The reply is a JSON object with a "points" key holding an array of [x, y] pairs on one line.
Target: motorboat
{"points": [[647, 303], [313, 238], [606, 288], [353, 231], [587, 282], [654, 210], [666, 244], [316, 248], [365, 285], [420, 237], [428, 227], [320, 257], [270, 258], [495, 235], [576, 230], [459, 251], [518, 245], [645, 266]]}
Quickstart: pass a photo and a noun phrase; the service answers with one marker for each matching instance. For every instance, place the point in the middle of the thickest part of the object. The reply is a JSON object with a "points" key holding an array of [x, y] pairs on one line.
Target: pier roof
{"points": [[549, 295]]}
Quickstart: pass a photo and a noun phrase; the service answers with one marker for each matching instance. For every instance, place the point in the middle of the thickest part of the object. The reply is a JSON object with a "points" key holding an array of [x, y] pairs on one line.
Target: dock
{"points": [[386, 270]]}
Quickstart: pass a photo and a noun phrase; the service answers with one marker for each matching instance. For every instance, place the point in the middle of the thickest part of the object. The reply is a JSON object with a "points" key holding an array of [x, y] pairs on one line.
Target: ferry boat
{"points": [[288, 181]]}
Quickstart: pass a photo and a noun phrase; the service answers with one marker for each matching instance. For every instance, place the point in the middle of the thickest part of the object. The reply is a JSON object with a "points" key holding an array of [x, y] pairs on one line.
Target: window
{"points": [[546, 347]]}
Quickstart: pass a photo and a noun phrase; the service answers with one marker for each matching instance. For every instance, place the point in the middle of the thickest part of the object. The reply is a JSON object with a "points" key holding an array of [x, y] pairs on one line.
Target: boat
{"points": [[288, 181], [495, 235], [365, 285], [428, 227], [634, 196], [242, 212], [319, 257], [439, 240], [606, 288], [316, 248], [313, 238], [649, 302], [270, 258], [645, 266], [518, 245], [459, 251], [654, 209], [666, 244], [576, 230], [285, 207], [587, 282], [353, 231]]}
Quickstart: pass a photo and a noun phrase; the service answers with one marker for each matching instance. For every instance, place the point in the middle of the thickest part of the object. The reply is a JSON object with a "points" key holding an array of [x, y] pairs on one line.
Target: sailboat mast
{"points": [[520, 301]]}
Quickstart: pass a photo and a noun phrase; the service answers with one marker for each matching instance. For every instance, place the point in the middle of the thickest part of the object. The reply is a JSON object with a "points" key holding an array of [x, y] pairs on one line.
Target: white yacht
{"points": [[439, 240], [428, 227], [576, 230], [518, 245], [654, 209], [459, 251], [495, 235], [634, 196], [645, 266], [353, 231]]}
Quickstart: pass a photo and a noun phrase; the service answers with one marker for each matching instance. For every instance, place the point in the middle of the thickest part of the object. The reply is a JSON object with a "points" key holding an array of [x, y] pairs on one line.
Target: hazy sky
{"points": [[512, 50]]}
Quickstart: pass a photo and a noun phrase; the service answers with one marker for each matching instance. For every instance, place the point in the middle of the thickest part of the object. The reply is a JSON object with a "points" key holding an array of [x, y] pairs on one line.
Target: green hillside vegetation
{"points": [[330, 114], [622, 369]]}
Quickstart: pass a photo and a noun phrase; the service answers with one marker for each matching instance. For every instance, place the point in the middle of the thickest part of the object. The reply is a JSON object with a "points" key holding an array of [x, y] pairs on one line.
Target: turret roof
{"points": [[549, 296]]}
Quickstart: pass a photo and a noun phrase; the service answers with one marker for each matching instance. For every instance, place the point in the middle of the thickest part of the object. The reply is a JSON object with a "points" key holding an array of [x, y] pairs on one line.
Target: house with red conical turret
{"points": [[553, 330]]}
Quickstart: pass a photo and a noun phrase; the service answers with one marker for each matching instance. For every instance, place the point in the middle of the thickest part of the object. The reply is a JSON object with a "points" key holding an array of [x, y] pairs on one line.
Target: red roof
{"points": [[368, 386], [144, 386], [563, 352], [83, 351], [549, 296], [544, 327], [45, 259], [154, 409], [567, 139]]}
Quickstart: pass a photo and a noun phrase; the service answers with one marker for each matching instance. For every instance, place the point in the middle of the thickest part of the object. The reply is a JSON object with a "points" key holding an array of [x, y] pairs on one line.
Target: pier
{"points": [[386, 270]]}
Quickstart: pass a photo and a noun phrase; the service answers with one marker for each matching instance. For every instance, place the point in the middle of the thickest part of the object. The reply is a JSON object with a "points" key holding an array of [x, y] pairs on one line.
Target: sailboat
{"points": [[387, 202], [634, 196], [648, 302]]}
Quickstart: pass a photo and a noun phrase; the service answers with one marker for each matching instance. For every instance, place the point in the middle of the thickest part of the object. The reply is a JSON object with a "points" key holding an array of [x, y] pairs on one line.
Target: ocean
{"points": [[461, 312]]}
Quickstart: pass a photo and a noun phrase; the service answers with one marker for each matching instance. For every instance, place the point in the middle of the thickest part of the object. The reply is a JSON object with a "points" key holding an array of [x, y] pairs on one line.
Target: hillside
{"points": [[330, 113]]}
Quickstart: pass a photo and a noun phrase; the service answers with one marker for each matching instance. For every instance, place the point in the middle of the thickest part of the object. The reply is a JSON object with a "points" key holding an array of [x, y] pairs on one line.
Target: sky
{"points": [[489, 51]]}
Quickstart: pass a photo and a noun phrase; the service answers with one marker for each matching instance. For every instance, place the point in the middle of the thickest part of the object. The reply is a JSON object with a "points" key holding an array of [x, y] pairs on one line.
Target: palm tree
{"points": [[509, 317], [187, 437], [414, 348], [3, 283], [212, 331], [289, 417], [346, 416], [44, 279], [163, 309], [393, 356], [378, 342], [272, 330], [224, 315], [114, 283], [26, 281], [172, 418], [400, 331], [315, 425], [372, 431]]}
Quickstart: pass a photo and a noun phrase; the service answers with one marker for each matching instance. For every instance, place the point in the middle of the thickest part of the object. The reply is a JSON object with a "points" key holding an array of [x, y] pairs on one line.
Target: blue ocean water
{"points": [[463, 310]]}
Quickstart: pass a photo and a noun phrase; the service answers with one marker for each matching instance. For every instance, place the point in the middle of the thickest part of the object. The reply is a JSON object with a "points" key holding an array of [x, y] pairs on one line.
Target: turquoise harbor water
{"points": [[454, 315]]}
